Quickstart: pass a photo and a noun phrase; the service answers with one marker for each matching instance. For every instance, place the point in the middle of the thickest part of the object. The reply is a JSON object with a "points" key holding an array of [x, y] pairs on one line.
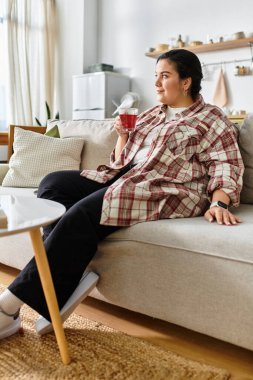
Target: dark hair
{"points": [[187, 65]]}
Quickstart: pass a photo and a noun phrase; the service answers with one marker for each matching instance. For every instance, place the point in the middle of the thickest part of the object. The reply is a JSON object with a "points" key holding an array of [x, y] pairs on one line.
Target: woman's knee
{"points": [[50, 183]]}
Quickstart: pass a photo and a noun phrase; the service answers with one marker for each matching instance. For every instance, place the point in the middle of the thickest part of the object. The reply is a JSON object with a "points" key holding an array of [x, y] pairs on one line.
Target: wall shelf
{"points": [[232, 44]]}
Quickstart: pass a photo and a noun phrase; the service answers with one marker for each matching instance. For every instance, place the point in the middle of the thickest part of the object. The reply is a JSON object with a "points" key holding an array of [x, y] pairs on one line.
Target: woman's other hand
{"points": [[221, 216], [122, 137], [121, 131]]}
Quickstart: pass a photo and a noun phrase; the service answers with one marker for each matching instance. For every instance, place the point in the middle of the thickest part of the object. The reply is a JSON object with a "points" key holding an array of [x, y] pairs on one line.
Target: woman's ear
{"points": [[187, 83]]}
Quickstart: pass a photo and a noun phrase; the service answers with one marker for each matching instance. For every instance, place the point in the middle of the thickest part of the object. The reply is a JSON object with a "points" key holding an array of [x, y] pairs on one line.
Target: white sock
{"points": [[9, 302]]}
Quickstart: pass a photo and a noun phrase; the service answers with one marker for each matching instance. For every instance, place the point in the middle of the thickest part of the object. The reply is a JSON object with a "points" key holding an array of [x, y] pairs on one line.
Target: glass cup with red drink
{"points": [[128, 117]]}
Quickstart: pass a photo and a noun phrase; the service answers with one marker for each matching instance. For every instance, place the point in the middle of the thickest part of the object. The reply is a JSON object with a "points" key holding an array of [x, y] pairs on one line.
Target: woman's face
{"points": [[170, 89]]}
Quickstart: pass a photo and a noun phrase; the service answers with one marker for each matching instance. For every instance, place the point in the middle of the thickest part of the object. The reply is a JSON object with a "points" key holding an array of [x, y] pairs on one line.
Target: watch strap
{"points": [[219, 204]]}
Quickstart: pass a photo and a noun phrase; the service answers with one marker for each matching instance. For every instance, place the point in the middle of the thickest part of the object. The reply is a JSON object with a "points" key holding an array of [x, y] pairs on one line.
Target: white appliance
{"points": [[95, 95]]}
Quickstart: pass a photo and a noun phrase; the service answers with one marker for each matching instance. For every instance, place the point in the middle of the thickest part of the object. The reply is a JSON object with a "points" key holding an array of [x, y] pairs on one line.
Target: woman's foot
{"points": [[85, 286], [9, 323]]}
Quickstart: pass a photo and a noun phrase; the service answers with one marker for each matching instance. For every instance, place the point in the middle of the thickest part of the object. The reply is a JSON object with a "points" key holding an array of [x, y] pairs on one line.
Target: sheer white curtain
{"points": [[3, 77], [30, 35]]}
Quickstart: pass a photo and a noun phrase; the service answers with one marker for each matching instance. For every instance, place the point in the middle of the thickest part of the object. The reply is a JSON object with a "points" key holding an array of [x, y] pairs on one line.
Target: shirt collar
{"points": [[194, 108]]}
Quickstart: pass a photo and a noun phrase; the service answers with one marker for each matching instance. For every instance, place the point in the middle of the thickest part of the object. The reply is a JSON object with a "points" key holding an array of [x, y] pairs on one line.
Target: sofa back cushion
{"points": [[99, 135], [245, 142]]}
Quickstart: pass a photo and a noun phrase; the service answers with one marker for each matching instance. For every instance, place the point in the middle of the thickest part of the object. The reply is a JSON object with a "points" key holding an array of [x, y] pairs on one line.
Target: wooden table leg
{"points": [[48, 288]]}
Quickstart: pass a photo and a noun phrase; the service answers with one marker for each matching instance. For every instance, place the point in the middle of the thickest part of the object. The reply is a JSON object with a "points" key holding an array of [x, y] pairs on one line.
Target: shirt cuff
{"points": [[234, 196]]}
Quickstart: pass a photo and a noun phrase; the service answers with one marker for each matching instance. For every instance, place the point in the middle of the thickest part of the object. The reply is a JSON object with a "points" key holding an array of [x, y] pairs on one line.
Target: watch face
{"points": [[223, 205]]}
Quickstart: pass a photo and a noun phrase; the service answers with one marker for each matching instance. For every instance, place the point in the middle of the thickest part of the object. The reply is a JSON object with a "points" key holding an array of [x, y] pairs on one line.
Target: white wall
{"points": [[127, 28], [77, 26]]}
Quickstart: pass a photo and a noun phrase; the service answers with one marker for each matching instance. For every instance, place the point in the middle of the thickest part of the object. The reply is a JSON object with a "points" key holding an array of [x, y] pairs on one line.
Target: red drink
{"points": [[128, 117], [128, 121]]}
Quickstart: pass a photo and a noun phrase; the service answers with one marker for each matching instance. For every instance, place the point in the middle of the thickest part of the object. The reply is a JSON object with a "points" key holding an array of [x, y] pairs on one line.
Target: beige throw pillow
{"points": [[35, 155], [99, 135]]}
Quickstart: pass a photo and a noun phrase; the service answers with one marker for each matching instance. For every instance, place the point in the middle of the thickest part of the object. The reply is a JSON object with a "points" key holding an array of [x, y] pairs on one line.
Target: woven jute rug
{"points": [[98, 353]]}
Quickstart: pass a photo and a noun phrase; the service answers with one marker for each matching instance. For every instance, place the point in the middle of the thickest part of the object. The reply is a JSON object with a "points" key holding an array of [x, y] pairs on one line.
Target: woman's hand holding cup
{"points": [[120, 129]]}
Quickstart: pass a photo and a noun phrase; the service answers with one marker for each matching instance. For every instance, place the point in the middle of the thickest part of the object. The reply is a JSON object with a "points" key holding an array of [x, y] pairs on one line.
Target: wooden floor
{"points": [[174, 338]]}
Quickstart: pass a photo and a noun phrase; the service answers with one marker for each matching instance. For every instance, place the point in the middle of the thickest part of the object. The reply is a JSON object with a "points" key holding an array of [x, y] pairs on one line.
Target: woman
{"points": [[181, 156]]}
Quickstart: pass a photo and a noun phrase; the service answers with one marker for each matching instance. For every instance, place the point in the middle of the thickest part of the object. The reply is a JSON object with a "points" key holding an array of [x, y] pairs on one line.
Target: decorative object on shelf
{"points": [[160, 48], [196, 43], [220, 97], [97, 67], [180, 42], [236, 70], [172, 42], [150, 49], [238, 35], [209, 39], [242, 70]]}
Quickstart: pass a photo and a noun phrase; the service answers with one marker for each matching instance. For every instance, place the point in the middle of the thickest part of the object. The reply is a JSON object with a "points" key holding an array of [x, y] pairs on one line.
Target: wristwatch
{"points": [[219, 204]]}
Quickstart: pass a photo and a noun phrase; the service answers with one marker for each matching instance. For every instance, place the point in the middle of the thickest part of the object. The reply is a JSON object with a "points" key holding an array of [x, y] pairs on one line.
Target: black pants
{"points": [[71, 242]]}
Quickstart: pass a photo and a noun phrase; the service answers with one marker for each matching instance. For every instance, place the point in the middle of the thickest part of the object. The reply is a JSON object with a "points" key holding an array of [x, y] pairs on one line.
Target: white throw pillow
{"points": [[99, 135], [35, 155]]}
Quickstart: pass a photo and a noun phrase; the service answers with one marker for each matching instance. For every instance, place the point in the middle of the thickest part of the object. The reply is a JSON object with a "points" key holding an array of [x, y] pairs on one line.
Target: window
{"points": [[27, 60], [3, 111]]}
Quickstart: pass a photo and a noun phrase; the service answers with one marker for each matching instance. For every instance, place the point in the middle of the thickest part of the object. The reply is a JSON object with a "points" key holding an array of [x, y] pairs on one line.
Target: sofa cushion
{"points": [[196, 235], [246, 147], [36, 155], [53, 132], [99, 135]]}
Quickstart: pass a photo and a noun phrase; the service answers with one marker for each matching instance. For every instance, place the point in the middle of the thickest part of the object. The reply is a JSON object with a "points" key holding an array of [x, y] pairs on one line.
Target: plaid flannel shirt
{"points": [[189, 158]]}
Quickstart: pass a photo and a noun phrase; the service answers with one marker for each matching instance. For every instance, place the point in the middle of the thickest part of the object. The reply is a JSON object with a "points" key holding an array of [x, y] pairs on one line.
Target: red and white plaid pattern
{"points": [[188, 159]]}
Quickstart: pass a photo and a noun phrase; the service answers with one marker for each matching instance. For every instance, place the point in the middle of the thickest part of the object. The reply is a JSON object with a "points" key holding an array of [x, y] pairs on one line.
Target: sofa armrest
{"points": [[28, 128], [3, 170]]}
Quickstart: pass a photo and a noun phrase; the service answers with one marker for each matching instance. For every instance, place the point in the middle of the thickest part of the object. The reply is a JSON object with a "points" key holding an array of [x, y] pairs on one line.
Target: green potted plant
{"points": [[57, 116]]}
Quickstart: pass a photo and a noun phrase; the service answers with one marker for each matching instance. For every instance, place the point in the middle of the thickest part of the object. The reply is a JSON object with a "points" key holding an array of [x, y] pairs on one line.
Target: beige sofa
{"points": [[185, 271]]}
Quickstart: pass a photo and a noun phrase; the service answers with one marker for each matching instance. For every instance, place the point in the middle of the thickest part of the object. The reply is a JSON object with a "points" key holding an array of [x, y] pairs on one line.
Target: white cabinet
{"points": [[94, 94]]}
